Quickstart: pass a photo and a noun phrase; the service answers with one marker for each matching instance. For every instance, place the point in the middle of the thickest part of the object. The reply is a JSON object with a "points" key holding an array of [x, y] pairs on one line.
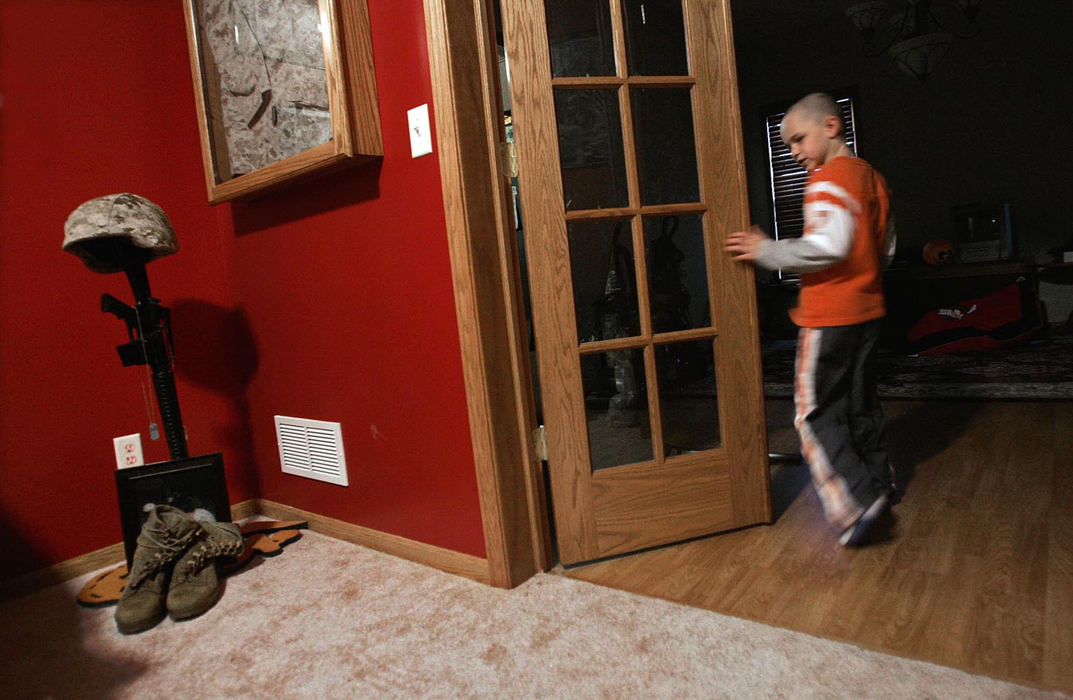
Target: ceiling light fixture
{"points": [[922, 30]]}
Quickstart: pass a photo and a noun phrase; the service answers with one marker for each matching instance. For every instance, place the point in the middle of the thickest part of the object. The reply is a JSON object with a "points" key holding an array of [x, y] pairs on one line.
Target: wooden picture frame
{"points": [[284, 89], [186, 484], [982, 233]]}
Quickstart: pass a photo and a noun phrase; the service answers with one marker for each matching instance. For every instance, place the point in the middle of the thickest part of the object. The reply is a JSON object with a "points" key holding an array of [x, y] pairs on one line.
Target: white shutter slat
{"points": [[788, 179]]}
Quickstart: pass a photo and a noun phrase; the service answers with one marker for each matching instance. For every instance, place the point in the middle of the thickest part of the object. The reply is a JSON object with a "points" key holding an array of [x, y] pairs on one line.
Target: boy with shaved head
{"points": [[848, 239]]}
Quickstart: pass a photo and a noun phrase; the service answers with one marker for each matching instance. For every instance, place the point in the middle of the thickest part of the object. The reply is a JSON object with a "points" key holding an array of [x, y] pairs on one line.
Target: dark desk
{"points": [[1055, 273], [960, 270], [914, 290]]}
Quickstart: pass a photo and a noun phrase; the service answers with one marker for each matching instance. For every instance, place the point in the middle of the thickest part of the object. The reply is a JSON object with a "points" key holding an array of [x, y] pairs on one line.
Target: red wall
{"points": [[347, 285], [331, 300]]}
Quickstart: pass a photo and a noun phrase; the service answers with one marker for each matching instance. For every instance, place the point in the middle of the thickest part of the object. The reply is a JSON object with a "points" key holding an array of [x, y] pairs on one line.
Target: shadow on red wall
{"points": [[215, 350], [301, 201]]}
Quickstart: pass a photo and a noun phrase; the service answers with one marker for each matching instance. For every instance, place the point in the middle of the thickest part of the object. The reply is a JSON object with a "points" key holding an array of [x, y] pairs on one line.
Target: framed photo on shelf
{"points": [[186, 484], [284, 89], [982, 233]]}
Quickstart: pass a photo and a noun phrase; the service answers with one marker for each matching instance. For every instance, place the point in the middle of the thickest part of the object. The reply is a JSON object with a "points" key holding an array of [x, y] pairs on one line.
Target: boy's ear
{"points": [[831, 126]]}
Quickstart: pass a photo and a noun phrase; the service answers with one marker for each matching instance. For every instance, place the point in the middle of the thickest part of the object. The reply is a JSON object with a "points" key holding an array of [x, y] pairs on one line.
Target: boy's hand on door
{"points": [[744, 246]]}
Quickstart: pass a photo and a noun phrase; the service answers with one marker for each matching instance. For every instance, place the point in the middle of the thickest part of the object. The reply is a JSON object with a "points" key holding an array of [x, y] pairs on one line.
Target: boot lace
{"points": [[165, 548], [218, 542]]}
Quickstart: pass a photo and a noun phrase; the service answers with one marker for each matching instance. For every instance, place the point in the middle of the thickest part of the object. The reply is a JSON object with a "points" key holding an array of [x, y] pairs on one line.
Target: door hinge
{"points": [[510, 159], [540, 443]]}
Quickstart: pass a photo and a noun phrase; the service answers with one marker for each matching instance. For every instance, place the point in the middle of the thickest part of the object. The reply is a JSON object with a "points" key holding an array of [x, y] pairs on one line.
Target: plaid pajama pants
{"points": [[839, 419]]}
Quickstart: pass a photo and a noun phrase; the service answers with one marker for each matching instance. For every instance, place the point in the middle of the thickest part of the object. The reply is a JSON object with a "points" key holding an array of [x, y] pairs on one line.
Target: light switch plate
{"points": [[420, 131]]}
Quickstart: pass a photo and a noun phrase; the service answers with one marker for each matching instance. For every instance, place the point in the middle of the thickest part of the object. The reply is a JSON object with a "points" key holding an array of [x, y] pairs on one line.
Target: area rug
{"points": [[328, 619], [1037, 369]]}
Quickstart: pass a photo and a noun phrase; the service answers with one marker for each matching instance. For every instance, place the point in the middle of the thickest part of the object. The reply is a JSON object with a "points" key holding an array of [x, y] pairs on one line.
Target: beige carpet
{"points": [[327, 619]]}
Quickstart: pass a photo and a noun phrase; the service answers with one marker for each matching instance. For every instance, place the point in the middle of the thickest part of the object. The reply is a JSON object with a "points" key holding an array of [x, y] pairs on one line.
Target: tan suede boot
{"points": [[165, 535], [195, 586]]}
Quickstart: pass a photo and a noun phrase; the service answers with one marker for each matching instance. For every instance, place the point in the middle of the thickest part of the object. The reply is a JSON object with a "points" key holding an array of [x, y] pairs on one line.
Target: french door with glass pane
{"points": [[631, 173]]}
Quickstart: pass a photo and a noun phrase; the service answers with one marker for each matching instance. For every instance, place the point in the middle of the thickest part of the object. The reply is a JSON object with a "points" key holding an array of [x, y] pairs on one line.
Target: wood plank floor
{"points": [[977, 571]]}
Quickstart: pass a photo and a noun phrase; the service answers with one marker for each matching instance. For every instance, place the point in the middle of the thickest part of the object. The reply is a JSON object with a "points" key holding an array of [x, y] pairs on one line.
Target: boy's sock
{"points": [[855, 534]]}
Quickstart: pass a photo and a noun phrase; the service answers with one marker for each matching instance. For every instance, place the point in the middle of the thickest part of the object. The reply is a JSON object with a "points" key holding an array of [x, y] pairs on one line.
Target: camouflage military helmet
{"points": [[100, 230]]}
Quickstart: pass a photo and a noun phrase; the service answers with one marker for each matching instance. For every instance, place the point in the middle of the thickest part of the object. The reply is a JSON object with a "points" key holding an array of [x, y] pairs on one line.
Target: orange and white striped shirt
{"points": [[848, 240]]}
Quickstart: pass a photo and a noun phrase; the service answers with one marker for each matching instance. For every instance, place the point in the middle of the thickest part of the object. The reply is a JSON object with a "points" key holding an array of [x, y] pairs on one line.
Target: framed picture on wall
{"points": [[283, 89], [187, 484]]}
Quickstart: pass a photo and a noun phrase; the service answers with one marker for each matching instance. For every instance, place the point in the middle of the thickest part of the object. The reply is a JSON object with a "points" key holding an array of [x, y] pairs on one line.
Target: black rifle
{"points": [[149, 331]]}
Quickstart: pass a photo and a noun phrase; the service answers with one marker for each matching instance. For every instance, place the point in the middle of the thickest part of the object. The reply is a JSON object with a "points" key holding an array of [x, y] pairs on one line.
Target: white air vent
{"points": [[311, 448]]}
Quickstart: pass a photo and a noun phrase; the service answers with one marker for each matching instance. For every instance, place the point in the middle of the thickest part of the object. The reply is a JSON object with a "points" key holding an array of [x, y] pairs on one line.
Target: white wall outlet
{"points": [[420, 131], [128, 451]]}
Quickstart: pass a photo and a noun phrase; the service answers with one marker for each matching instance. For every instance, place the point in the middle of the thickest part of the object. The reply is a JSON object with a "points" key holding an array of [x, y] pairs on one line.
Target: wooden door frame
{"points": [[487, 289]]}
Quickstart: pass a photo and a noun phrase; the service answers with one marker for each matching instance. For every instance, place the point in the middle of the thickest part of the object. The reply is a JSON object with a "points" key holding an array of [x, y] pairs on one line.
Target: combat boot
{"points": [[165, 535], [195, 586]]}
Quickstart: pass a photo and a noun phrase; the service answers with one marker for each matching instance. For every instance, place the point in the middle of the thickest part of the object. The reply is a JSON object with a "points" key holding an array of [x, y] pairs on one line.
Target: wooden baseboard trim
{"points": [[437, 557], [63, 571], [245, 509], [447, 560], [86, 563]]}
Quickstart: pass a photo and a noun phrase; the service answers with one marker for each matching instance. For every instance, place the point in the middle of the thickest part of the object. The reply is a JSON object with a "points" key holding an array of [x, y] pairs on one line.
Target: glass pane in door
{"points": [[677, 272], [605, 281], [655, 37], [580, 38], [666, 152], [616, 408], [689, 410], [590, 149]]}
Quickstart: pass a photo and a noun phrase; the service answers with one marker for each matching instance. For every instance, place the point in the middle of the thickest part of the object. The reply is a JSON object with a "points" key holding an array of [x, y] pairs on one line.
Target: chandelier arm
{"points": [[972, 29], [870, 49]]}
